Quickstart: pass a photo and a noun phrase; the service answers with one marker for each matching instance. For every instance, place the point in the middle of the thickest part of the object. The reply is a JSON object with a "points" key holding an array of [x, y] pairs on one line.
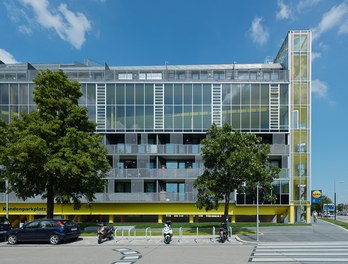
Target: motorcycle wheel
{"points": [[99, 239], [222, 239], [167, 240]]}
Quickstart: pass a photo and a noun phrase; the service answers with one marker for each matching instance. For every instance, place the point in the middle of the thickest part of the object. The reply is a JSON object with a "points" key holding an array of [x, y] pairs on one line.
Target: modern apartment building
{"points": [[153, 118]]}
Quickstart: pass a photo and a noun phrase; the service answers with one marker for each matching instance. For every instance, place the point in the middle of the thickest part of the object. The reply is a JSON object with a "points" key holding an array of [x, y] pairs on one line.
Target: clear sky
{"points": [[152, 32]]}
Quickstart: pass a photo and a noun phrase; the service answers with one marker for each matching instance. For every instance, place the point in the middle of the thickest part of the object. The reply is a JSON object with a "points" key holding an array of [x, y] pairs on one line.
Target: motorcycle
{"points": [[105, 232], [223, 232], [167, 232]]}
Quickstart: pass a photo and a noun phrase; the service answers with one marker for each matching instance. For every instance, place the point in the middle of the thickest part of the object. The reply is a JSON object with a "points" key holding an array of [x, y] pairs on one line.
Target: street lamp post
{"points": [[257, 212], [335, 198]]}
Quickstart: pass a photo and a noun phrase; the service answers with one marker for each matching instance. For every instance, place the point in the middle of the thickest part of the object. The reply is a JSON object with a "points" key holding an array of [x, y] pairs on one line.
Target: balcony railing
{"points": [[155, 173], [154, 149]]}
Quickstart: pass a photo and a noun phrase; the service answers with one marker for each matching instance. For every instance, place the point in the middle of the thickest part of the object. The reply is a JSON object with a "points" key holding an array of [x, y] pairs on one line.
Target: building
{"points": [[153, 118]]}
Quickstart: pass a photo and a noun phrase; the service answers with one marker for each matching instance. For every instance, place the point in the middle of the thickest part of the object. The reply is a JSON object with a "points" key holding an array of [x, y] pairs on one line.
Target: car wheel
{"points": [[54, 239], [12, 239]]}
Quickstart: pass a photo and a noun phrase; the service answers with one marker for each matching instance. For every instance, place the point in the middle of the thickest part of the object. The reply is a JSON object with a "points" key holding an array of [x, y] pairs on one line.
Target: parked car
{"points": [[5, 226], [52, 230]]}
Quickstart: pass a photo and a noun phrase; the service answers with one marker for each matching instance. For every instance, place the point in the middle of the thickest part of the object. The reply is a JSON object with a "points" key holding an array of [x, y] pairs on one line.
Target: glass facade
{"points": [[153, 119]]}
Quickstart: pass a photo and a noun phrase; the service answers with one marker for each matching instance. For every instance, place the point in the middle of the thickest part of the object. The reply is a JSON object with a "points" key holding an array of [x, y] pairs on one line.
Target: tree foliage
{"points": [[232, 161], [53, 151]]}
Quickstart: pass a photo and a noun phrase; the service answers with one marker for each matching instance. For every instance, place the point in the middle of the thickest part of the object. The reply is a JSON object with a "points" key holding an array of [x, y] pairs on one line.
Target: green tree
{"points": [[53, 151], [232, 160], [319, 206]]}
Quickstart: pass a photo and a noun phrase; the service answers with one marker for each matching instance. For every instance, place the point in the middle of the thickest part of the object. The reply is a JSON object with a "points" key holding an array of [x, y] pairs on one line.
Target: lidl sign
{"points": [[316, 196]]}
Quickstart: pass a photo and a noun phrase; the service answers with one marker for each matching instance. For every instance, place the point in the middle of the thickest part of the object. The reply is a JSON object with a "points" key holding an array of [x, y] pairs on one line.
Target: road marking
{"points": [[292, 252], [131, 257]]}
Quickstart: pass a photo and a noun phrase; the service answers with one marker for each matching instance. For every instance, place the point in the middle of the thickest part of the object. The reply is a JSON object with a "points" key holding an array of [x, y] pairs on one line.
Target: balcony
{"points": [[154, 149], [155, 173]]}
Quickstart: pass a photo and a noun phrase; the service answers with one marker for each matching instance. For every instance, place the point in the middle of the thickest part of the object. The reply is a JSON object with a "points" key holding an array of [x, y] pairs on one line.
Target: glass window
{"points": [[177, 117], [149, 187], [204, 75], [197, 118], [226, 94], [255, 117], [122, 187], [264, 94], [236, 116], [130, 93], [91, 93], [177, 93], [120, 93], [226, 114], [125, 76], [110, 117], [149, 94], [245, 94], [284, 94], [255, 94], [139, 117], [243, 75], [195, 75], [129, 117], [120, 117], [236, 94], [187, 94], [14, 93], [139, 93], [245, 117], [206, 117], [264, 118], [82, 99], [110, 94], [168, 117], [149, 117], [197, 94], [31, 95], [187, 117], [4, 94], [168, 94], [206, 94]]}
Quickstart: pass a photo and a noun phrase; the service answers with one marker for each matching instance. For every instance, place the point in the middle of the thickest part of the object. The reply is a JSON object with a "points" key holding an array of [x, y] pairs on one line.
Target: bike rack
{"points": [[125, 228], [196, 239], [213, 235], [146, 230], [180, 234]]}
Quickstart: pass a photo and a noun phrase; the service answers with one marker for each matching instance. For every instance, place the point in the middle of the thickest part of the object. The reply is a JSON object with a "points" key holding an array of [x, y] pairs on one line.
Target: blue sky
{"points": [[151, 32]]}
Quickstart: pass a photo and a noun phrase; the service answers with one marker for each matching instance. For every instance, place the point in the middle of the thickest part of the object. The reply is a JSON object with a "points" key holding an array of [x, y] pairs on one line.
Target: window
{"points": [[123, 187], [125, 76]]}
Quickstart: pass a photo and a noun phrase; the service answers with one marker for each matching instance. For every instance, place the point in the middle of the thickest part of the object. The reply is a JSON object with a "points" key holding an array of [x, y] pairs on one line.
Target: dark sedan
{"points": [[5, 226], [52, 230]]}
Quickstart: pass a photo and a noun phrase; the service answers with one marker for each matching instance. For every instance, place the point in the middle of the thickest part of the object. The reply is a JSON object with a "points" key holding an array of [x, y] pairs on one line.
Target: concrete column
{"points": [[233, 219], [292, 214], [308, 214], [111, 219], [191, 219]]}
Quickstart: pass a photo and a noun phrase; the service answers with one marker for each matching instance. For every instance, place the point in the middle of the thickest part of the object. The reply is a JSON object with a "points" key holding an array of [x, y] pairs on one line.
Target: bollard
{"points": [[180, 234], [213, 236]]}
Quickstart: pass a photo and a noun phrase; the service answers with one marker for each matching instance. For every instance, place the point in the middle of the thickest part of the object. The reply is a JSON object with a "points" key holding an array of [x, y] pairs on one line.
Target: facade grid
{"points": [[153, 119]]}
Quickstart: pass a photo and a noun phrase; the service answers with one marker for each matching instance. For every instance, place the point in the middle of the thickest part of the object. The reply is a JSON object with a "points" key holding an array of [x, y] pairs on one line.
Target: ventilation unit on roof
{"points": [[269, 60]]}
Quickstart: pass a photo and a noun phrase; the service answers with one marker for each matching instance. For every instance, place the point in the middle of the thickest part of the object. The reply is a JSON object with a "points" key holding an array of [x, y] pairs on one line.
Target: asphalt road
{"points": [[278, 243]]}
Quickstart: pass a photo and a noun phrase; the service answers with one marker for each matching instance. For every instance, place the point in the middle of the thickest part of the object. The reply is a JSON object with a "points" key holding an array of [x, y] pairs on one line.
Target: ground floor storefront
{"points": [[151, 212]]}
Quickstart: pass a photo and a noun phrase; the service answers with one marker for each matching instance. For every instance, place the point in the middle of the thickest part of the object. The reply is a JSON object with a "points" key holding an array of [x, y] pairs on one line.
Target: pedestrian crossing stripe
{"points": [[294, 252]]}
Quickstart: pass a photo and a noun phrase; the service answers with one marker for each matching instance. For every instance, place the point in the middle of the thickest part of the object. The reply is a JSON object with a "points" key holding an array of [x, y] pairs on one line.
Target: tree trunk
{"points": [[50, 201]]}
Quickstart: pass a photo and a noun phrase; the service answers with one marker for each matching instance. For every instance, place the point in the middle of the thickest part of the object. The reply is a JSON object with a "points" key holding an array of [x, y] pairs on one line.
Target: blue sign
{"points": [[316, 196]]}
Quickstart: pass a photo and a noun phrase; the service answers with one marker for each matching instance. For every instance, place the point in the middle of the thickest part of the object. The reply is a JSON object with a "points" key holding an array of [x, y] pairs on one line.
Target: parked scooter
{"points": [[167, 232], [223, 232], [105, 232]]}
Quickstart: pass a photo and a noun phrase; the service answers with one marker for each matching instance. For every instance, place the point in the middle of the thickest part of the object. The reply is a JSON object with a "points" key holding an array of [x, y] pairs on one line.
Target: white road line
{"points": [[129, 252], [131, 257], [299, 249], [300, 254], [316, 260]]}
